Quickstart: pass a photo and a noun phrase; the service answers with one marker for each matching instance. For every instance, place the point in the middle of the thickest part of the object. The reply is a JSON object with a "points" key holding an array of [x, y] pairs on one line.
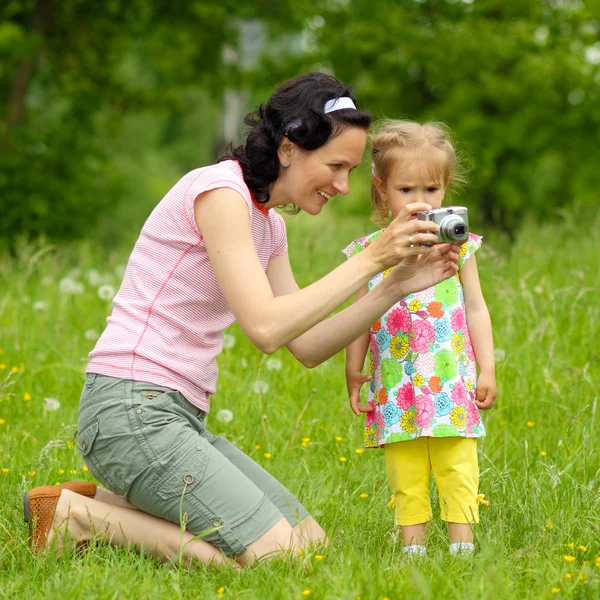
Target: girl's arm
{"points": [[272, 320], [355, 360], [480, 331]]}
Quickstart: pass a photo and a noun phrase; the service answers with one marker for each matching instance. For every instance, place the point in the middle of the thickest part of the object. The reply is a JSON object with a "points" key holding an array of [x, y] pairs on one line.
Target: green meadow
{"points": [[539, 535]]}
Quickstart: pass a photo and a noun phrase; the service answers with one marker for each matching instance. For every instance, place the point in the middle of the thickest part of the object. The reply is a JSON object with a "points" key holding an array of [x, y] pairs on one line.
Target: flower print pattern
{"points": [[422, 362]]}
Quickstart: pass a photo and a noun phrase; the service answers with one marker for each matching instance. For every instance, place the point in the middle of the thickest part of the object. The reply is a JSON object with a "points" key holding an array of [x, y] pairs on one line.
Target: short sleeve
{"points": [[469, 248], [360, 244], [279, 234], [212, 178]]}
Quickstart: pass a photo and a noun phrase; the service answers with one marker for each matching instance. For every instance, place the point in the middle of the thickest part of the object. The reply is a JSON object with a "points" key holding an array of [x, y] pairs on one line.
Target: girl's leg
{"points": [[460, 533], [408, 469]]}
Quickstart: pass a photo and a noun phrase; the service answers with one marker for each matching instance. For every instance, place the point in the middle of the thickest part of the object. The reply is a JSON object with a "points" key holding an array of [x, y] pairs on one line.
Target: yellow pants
{"points": [[453, 461]]}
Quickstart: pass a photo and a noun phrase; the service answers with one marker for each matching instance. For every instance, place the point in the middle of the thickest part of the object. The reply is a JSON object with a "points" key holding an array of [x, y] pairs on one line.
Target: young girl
{"points": [[424, 395]]}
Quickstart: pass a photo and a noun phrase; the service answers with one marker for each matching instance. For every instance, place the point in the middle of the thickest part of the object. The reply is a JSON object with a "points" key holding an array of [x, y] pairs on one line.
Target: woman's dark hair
{"points": [[296, 109]]}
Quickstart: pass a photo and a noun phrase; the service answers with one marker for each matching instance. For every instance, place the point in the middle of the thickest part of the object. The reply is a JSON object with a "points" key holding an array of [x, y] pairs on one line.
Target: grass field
{"points": [[540, 468]]}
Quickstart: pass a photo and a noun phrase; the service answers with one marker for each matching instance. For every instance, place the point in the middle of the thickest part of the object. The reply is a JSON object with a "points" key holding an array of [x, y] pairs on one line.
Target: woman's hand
{"points": [[417, 273], [404, 237], [354, 381]]}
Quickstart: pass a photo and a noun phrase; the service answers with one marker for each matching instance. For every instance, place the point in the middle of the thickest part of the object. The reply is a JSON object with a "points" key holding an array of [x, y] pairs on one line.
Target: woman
{"points": [[213, 252]]}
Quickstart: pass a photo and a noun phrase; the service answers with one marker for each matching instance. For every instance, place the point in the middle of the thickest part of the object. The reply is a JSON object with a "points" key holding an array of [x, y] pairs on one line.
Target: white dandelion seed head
{"points": [[91, 335], [67, 285], [260, 387], [106, 292], [273, 364], [228, 340], [499, 354], [224, 416], [93, 277], [40, 306], [51, 404]]}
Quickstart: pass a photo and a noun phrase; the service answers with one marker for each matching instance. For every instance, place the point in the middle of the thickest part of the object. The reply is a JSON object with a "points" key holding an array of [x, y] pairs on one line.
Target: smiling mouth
{"points": [[323, 194]]}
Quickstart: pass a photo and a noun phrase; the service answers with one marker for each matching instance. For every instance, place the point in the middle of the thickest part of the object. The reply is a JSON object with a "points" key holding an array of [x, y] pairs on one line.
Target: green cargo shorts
{"points": [[149, 444]]}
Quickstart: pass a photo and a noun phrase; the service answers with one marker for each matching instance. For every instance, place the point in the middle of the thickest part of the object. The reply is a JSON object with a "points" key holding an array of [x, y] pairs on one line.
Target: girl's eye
{"points": [[432, 190], [405, 190]]}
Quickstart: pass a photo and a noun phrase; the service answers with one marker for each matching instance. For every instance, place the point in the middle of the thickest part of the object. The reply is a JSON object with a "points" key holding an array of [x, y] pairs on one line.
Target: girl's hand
{"points": [[354, 381], [486, 391], [417, 273], [403, 237]]}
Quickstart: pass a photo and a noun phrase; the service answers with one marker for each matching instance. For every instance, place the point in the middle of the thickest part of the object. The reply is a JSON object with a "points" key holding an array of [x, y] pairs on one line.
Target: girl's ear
{"points": [[378, 183], [286, 151]]}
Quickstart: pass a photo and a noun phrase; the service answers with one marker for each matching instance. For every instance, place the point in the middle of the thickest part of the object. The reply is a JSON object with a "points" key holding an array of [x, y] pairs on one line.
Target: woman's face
{"points": [[313, 177]]}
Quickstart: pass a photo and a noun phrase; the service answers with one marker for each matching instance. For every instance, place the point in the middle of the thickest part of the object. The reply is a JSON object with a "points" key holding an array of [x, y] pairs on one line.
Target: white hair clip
{"points": [[373, 168], [339, 104]]}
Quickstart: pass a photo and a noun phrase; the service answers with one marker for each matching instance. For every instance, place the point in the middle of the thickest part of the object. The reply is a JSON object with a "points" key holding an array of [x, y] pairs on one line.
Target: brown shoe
{"points": [[39, 505]]}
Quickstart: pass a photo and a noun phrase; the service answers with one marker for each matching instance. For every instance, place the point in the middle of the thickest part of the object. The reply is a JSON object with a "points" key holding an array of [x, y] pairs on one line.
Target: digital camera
{"points": [[453, 222]]}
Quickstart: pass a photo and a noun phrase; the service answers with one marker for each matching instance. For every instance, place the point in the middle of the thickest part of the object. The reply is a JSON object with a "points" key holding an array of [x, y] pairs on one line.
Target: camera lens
{"points": [[453, 229]]}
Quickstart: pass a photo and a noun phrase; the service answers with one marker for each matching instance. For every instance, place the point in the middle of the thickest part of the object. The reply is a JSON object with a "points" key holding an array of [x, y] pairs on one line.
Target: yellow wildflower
{"points": [[2, 421], [587, 563], [555, 590], [31, 473], [568, 576], [338, 438], [257, 447], [364, 495], [84, 469], [549, 525], [583, 548], [221, 590], [307, 592], [530, 423], [26, 396], [569, 559], [584, 577], [268, 455], [5, 470], [342, 459], [480, 499], [15, 369], [2, 367], [70, 445], [359, 451], [597, 561], [73, 471], [1, 351], [305, 440], [572, 545], [543, 453], [61, 471], [319, 557], [392, 503]]}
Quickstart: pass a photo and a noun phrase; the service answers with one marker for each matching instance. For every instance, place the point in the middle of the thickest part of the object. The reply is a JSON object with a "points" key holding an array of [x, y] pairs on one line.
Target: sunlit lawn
{"points": [[539, 536]]}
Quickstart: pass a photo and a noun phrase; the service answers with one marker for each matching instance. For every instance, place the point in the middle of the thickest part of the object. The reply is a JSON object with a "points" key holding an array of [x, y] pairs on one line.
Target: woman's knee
{"points": [[281, 538], [310, 532]]}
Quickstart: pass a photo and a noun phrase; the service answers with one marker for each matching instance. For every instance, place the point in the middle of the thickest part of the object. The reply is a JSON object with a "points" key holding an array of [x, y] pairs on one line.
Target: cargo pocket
{"points": [[87, 437], [185, 476]]}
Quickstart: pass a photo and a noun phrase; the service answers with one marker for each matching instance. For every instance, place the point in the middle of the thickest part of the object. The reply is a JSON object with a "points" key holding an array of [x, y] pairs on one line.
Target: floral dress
{"points": [[422, 362]]}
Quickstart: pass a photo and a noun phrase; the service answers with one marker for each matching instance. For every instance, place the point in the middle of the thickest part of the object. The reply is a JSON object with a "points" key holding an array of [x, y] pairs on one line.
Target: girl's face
{"points": [[313, 177], [410, 180]]}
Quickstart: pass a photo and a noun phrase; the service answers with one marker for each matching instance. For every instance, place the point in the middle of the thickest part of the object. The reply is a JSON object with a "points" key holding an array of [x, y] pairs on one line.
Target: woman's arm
{"points": [[480, 331], [271, 320], [355, 361]]}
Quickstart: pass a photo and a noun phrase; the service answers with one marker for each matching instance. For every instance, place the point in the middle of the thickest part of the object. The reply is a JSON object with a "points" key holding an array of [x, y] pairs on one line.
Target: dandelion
{"points": [[555, 590], [2, 421], [572, 545], [31, 473], [568, 576], [307, 592], [228, 340], [14, 370], [305, 440], [70, 445], [106, 292], [2, 367], [530, 423], [61, 471], [338, 438], [260, 387], [597, 561], [257, 447], [40, 306], [319, 557], [359, 451], [51, 404], [67, 285], [268, 455], [569, 559], [73, 471], [480, 499], [364, 495], [587, 563], [84, 469], [499, 354], [273, 364], [543, 453], [342, 459], [5, 470], [224, 416], [91, 335], [221, 590], [583, 548], [549, 525]]}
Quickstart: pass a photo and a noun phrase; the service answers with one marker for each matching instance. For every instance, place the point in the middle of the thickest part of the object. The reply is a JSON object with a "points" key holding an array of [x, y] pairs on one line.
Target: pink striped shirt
{"points": [[168, 317]]}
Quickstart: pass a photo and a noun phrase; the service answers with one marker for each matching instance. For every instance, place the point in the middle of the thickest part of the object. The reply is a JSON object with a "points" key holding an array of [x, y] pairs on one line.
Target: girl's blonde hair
{"points": [[394, 141]]}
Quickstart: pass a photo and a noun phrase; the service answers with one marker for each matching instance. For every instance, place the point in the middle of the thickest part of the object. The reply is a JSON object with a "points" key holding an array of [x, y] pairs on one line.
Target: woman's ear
{"points": [[286, 151]]}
